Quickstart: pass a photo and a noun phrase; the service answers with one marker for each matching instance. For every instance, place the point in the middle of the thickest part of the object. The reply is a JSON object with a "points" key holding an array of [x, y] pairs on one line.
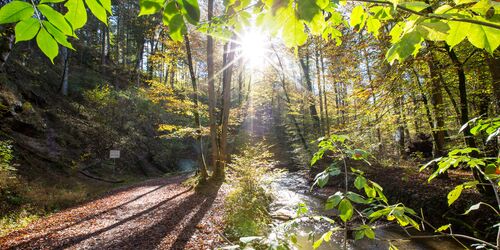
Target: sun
{"points": [[254, 47]]}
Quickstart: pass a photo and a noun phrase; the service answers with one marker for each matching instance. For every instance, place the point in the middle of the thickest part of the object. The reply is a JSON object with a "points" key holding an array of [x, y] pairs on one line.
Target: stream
{"points": [[292, 188]]}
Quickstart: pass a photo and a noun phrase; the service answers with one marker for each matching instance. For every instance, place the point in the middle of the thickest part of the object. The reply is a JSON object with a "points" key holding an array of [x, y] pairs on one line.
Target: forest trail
{"points": [[155, 214]]}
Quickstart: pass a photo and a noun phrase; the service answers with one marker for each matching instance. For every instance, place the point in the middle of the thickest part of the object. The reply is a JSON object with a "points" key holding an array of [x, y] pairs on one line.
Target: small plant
{"points": [[372, 201], [247, 204], [6, 156]]}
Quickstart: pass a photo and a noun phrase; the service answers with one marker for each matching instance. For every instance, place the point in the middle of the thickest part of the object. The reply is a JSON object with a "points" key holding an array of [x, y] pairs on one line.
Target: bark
{"points": [[464, 118], [374, 98], [226, 106], [426, 107], [64, 79], [304, 63], [211, 90], [494, 68], [320, 90], [201, 160], [437, 107], [327, 118]]}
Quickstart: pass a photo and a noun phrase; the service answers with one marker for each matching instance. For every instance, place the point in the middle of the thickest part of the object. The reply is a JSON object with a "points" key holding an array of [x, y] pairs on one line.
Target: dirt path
{"points": [[156, 214]]}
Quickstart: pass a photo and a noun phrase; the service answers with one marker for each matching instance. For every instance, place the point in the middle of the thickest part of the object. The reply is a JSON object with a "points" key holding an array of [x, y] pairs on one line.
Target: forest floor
{"points": [[161, 213]]}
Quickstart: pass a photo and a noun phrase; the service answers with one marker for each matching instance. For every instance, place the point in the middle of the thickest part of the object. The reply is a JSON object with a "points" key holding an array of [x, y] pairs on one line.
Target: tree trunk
{"points": [[64, 79], [437, 107], [494, 67], [327, 118], [226, 106], [320, 90], [312, 108], [211, 91], [201, 159]]}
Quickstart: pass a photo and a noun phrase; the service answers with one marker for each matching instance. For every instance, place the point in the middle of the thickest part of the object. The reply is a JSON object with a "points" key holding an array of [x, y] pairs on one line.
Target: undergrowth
{"points": [[246, 206]]}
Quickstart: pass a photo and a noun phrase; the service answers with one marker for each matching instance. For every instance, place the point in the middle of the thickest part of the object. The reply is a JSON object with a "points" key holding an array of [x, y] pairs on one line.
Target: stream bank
{"points": [[293, 188]]}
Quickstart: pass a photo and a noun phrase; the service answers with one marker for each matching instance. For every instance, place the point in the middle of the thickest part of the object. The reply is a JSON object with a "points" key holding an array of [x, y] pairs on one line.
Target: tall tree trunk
{"points": [[464, 118], [494, 67], [320, 90], [437, 107], [103, 44], [201, 158], [173, 70], [374, 98], [304, 63], [226, 106], [327, 118], [426, 107], [211, 91], [64, 79]]}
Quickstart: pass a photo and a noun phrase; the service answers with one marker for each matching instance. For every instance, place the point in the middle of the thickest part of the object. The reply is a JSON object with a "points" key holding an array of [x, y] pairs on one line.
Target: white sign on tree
{"points": [[114, 154]]}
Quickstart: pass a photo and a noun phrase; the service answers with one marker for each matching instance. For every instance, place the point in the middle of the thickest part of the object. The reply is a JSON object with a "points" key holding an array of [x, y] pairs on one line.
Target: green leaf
{"points": [[333, 200], [169, 12], [354, 197], [373, 25], [370, 192], [177, 28], [293, 31], [58, 35], [149, 7], [307, 10], [442, 228], [359, 234], [98, 11], [16, 11], [481, 7], [27, 29], [415, 6], [52, 1], [483, 37], [454, 194], [321, 179], [77, 14], [192, 10], [456, 34], [408, 45], [433, 30], [106, 4], [345, 209], [47, 44], [458, 2], [357, 19], [360, 182], [322, 4], [369, 233], [55, 18]]}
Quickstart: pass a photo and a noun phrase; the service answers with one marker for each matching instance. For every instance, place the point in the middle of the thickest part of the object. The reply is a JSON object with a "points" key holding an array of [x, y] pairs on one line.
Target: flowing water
{"points": [[292, 188]]}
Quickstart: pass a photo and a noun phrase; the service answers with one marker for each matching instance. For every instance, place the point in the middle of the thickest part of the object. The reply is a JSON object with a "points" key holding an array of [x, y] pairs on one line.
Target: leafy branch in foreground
{"points": [[488, 167], [410, 23], [373, 202]]}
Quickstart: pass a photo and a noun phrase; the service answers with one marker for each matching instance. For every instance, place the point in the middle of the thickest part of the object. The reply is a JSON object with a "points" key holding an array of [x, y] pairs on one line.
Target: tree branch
{"points": [[464, 20]]}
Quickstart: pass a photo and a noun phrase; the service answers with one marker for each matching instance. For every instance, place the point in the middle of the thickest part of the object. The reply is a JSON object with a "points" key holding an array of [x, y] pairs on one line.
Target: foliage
{"points": [[478, 21], [487, 167], [6, 156], [247, 204], [339, 149]]}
